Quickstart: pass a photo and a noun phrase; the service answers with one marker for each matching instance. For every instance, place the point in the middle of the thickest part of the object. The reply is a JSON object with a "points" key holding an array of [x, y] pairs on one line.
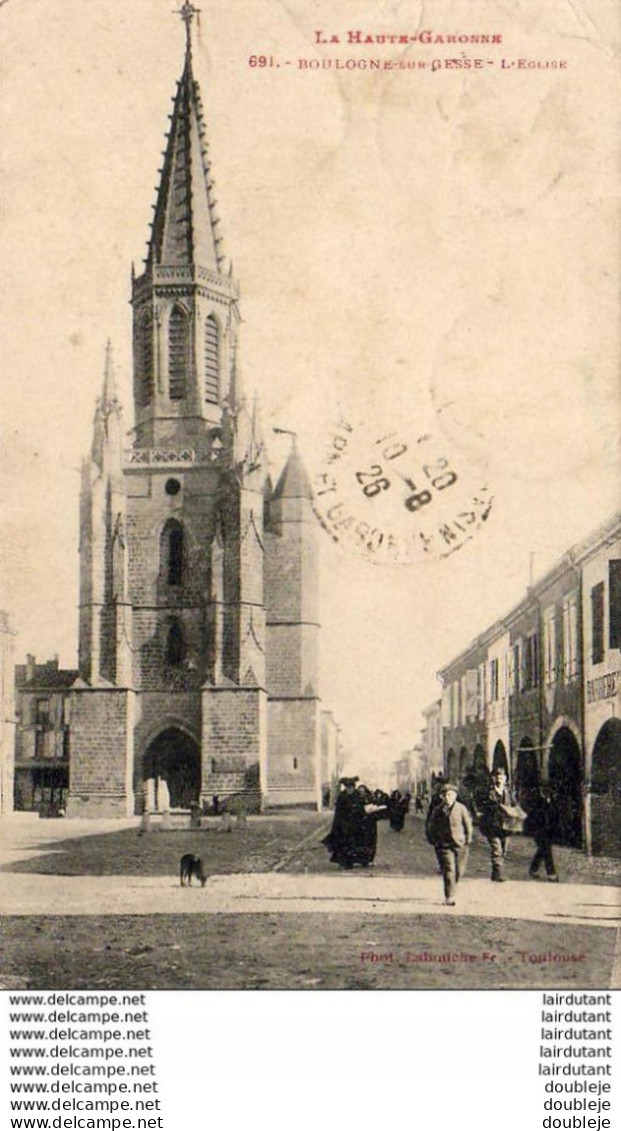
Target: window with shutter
{"points": [[597, 623], [614, 602]]}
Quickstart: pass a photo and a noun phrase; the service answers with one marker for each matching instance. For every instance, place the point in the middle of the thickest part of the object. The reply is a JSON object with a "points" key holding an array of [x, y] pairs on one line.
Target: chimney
{"points": [[30, 667]]}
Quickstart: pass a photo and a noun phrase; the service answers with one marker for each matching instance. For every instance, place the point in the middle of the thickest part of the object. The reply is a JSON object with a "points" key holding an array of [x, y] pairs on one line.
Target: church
{"points": [[197, 670]]}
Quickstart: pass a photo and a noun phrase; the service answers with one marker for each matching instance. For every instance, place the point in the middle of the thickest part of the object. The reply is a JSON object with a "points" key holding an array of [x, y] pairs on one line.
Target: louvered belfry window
{"points": [[212, 361], [178, 354], [144, 358]]}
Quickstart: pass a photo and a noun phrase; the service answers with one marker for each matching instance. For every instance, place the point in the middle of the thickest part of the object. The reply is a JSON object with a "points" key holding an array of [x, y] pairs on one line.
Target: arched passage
{"points": [[465, 761], [606, 790], [452, 766], [526, 770], [478, 761], [480, 774], [173, 758], [565, 778], [500, 760]]}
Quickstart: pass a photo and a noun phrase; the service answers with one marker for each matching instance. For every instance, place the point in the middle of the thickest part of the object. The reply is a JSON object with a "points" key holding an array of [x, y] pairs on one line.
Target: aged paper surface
{"points": [[420, 201]]}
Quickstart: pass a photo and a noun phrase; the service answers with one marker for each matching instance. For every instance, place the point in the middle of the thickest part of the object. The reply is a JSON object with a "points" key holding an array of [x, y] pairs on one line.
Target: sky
{"points": [[427, 252]]}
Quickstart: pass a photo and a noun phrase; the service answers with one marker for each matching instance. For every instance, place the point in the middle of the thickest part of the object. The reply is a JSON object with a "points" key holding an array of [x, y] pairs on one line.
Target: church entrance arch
{"points": [[606, 790], [172, 762], [565, 779]]}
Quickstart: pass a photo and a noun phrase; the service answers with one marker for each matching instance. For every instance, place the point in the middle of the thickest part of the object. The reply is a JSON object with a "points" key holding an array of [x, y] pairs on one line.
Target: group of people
{"points": [[352, 840], [449, 829]]}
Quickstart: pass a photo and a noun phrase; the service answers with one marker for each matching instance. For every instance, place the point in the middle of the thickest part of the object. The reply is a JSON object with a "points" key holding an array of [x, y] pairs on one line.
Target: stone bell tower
{"points": [[172, 624], [185, 551]]}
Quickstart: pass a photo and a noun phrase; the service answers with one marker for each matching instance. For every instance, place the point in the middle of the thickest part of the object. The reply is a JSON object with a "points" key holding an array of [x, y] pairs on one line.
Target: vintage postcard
{"points": [[310, 526]]}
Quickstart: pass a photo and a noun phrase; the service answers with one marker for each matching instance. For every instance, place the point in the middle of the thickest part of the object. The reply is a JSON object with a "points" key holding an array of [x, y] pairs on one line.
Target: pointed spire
{"points": [[184, 230], [108, 409], [109, 397], [294, 482]]}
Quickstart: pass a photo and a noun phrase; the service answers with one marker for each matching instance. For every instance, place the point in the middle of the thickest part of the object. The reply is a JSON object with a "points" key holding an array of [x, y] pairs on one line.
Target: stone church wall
{"points": [[293, 735], [101, 753]]}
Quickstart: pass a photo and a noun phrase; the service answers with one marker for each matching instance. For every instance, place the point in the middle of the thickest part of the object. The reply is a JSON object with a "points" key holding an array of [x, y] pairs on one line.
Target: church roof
{"points": [[184, 229], [294, 482]]}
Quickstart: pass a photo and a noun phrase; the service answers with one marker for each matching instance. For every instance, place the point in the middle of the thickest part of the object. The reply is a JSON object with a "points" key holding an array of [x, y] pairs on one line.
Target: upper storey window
{"points": [[178, 354], [597, 623], [212, 360], [614, 600]]}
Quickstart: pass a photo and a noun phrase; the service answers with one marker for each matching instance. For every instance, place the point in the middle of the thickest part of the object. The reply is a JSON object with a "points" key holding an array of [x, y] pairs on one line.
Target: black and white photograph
{"points": [[310, 533]]}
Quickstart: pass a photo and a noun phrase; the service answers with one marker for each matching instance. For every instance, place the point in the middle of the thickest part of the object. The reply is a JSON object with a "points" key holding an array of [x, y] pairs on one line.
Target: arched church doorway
{"points": [[606, 790], [526, 770], [172, 762], [565, 778]]}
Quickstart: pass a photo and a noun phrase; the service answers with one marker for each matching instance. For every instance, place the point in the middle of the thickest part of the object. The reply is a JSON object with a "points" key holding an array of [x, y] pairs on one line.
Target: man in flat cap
{"points": [[449, 829]]}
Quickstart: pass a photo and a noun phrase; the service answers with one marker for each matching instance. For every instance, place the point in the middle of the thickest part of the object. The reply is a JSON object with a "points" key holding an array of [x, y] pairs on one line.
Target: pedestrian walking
{"points": [[344, 839], [540, 824], [500, 816], [448, 828], [353, 837], [398, 808]]}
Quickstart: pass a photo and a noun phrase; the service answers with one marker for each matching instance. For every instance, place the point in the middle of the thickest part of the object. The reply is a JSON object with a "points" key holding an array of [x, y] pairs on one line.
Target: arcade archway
{"points": [[465, 761], [606, 790], [565, 778], [452, 766], [499, 759], [526, 770], [479, 763], [173, 763]]}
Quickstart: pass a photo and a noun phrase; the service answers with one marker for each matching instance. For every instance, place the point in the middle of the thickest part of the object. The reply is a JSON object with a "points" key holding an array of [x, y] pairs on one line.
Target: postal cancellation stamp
{"points": [[397, 496]]}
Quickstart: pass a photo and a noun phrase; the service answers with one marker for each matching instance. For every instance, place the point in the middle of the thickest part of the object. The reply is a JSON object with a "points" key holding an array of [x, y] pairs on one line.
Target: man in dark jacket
{"points": [[495, 810], [448, 828], [539, 824]]}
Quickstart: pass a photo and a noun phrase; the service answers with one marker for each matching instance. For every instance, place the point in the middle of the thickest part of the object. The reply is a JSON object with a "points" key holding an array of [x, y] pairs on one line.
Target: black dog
{"points": [[191, 866]]}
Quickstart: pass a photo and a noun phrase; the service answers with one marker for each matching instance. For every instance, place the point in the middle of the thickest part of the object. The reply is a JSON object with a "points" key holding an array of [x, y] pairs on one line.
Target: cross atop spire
{"points": [[187, 13]]}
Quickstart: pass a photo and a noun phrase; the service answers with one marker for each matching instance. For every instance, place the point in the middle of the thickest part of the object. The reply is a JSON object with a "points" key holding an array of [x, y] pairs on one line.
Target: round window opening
{"points": [[172, 487]]}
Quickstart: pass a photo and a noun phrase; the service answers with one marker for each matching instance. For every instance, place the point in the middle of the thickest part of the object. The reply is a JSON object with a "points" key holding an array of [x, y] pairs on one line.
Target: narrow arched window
{"points": [[172, 553], [175, 556], [143, 353], [212, 360], [178, 354], [175, 644]]}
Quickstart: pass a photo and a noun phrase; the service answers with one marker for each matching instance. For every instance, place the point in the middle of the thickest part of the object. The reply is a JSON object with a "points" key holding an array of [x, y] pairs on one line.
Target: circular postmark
{"points": [[397, 496]]}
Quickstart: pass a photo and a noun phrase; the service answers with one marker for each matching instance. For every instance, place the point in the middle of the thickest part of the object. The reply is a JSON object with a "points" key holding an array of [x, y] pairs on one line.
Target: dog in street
{"points": [[191, 866]]}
